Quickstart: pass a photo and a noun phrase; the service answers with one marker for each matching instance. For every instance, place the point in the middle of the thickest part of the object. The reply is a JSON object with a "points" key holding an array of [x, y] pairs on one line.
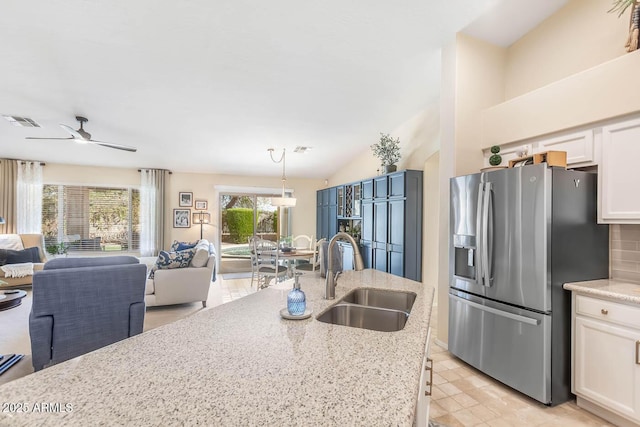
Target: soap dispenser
{"points": [[296, 300]]}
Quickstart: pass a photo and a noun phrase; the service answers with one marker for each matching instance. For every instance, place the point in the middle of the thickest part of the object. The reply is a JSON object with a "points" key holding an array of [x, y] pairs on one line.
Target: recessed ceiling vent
{"points": [[23, 122], [300, 149]]}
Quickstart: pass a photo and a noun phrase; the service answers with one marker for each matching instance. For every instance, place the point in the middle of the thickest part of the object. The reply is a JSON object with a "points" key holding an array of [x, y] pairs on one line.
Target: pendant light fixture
{"points": [[283, 201]]}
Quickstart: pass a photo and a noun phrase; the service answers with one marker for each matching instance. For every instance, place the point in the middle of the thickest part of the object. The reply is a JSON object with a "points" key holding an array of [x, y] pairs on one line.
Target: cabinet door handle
{"points": [[429, 367], [604, 311], [637, 352]]}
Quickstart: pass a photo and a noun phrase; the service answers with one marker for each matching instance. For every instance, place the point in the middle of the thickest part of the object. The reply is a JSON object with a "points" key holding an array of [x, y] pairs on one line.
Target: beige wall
{"points": [[419, 138], [203, 187], [569, 71], [579, 36], [479, 84], [56, 173], [430, 220], [207, 187]]}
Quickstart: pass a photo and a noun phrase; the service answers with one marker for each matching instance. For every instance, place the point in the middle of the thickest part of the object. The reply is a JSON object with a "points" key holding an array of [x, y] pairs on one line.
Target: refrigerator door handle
{"points": [[512, 316], [487, 231], [479, 235]]}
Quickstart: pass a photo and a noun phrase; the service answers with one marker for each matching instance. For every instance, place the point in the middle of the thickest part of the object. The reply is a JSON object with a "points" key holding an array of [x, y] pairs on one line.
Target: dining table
{"points": [[290, 257]]}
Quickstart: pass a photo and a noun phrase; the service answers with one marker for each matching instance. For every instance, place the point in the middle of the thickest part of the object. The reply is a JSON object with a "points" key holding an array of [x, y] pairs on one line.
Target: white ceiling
{"points": [[208, 86]]}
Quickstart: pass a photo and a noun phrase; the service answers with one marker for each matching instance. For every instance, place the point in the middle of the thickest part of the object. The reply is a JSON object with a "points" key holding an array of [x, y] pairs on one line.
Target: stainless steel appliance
{"points": [[517, 236]]}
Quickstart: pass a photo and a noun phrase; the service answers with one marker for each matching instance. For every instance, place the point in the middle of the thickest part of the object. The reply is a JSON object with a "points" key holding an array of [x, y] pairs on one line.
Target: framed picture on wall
{"points": [[181, 218], [185, 199], [201, 205]]}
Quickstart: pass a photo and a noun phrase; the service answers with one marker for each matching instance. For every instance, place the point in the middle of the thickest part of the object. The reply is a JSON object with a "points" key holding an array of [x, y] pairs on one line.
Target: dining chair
{"points": [[314, 264], [265, 264], [303, 241]]}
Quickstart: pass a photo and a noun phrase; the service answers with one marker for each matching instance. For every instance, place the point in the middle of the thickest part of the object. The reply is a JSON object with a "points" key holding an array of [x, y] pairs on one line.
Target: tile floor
{"points": [[461, 395]]}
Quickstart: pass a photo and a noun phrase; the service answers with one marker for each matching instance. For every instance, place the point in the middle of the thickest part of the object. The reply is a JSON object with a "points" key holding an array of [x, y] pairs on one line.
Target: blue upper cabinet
{"points": [[388, 208], [367, 189]]}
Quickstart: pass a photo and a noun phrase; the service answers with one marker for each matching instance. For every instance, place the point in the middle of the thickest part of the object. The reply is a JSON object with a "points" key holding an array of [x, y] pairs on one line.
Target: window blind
{"points": [[91, 218]]}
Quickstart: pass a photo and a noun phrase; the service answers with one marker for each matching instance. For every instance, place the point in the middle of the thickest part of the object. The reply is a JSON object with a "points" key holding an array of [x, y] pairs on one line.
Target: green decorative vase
{"points": [[390, 168]]}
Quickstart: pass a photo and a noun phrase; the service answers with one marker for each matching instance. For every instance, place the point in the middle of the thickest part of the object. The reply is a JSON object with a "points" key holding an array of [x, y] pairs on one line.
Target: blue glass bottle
{"points": [[296, 300]]}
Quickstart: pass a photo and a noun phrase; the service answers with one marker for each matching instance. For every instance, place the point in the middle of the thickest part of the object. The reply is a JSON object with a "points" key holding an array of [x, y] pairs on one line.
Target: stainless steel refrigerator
{"points": [[517, 235]]}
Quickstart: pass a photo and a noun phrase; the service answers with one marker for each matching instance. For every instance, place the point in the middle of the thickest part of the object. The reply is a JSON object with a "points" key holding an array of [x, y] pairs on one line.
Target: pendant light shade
{"points": [[285, 202]]}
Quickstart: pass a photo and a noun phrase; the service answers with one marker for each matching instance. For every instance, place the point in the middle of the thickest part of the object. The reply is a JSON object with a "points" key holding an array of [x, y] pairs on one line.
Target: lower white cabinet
{"points": [[424, 391], [607, 357]]}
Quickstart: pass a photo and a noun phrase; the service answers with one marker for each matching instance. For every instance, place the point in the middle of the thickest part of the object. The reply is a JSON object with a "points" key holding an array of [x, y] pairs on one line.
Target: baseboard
{"points": [[603, 413], [441, 344]]}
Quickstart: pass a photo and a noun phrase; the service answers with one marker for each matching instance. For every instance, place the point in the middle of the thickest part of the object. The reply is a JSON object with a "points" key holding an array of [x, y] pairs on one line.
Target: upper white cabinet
{"points": [[619, 174], [578, 145]]}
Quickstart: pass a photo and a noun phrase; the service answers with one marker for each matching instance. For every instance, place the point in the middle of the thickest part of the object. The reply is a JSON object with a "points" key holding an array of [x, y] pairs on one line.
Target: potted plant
{"points": [[388, 151], [58, 249], [621, 6]]}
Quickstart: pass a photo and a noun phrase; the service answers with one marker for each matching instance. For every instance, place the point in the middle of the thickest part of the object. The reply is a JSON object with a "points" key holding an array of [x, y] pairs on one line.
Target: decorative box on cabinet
{"points": [[619, 174], [606, 356]]}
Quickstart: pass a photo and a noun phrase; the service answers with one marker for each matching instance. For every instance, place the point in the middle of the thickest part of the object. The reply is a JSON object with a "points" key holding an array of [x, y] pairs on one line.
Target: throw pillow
{"points": [[181, 246], [169, 260], [11, 241], [8, 256], [202, 254]]}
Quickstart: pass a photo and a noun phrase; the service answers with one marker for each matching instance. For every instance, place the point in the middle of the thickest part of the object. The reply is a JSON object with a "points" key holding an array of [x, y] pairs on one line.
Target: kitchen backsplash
{"points": [[625, 251]]}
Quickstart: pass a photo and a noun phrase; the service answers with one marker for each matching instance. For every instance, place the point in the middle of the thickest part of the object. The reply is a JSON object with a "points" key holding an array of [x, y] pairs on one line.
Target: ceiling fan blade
{"points": [[110, 145], [73, 132], [35, 137]]}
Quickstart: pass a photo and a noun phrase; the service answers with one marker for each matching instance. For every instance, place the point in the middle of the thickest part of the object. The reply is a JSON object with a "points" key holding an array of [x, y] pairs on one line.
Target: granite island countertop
{"points": [[242, 364], [616, 290]]}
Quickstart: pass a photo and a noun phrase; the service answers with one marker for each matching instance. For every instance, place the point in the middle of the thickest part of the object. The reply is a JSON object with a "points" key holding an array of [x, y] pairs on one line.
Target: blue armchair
{"points": [[82, 304]]}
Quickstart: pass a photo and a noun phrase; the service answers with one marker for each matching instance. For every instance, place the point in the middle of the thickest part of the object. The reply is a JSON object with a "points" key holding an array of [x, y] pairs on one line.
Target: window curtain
{"points": [[29, 197], [8, 206], [152, 183]]}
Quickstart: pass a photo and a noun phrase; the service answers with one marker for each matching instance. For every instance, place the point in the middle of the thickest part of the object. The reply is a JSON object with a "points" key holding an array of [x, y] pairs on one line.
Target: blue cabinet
{"points": [[326, 213], [392, 224], [390, 221]]}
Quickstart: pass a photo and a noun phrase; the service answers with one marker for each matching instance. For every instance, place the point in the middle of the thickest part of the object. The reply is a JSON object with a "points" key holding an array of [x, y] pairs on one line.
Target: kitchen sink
{"points": [[382, 298], [365, 317]]}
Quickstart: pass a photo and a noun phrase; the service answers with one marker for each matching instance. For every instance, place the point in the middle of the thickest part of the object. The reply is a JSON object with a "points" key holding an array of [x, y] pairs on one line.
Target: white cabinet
{"points": [[606, 370], [424, 391], [578, 145], [619, 174]]}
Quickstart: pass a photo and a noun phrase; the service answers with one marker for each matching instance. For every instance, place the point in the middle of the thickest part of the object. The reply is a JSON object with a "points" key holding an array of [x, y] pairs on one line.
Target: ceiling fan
{"points": [[83, 137]]}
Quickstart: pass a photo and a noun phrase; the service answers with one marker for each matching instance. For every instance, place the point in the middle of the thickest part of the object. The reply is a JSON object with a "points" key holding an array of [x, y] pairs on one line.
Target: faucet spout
{"points": [[332, 277]]}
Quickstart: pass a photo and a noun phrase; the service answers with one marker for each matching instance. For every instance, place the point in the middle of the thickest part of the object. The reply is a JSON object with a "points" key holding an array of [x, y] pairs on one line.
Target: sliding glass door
{"points": [[243, 216]]}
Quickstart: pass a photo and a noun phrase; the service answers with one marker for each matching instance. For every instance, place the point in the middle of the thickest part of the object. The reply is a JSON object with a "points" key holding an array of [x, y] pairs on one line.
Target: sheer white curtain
{"points": [[151, 211], [29, 197]]}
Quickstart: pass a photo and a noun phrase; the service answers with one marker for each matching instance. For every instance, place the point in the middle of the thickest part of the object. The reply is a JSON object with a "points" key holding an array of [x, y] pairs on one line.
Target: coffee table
{"points": [[11, 298]]}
